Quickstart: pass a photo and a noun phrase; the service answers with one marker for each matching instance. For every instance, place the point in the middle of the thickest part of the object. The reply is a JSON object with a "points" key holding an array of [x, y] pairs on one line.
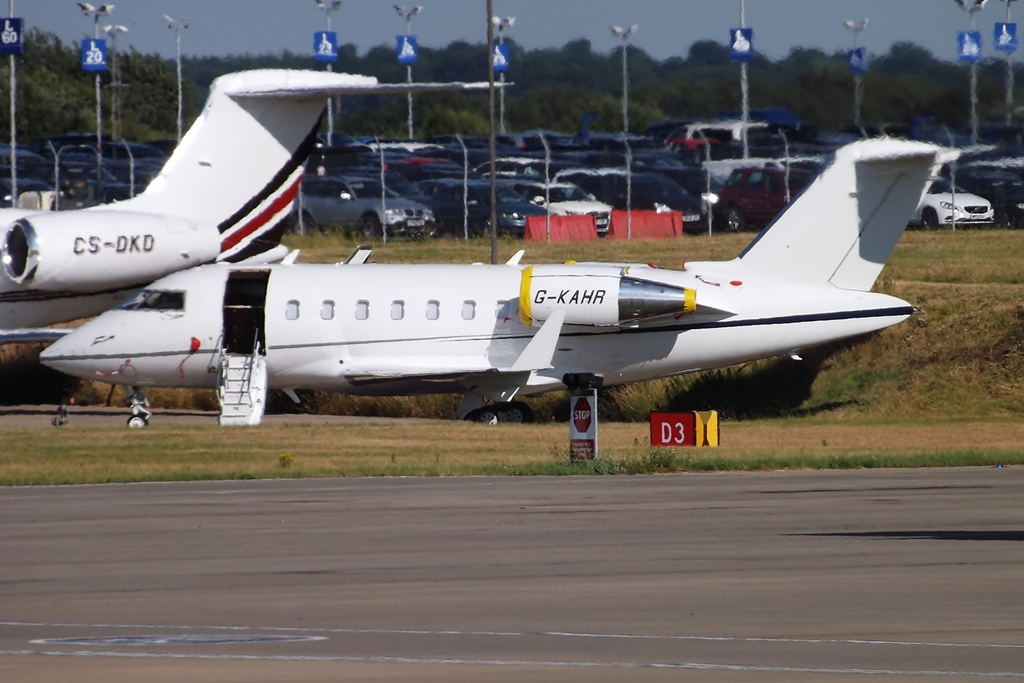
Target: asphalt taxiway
{"points": [[782, 576]]}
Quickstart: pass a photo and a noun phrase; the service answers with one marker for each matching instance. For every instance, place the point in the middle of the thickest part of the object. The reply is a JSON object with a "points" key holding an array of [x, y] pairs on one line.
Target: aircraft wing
{"points": [[34, 334], [537, 356]]}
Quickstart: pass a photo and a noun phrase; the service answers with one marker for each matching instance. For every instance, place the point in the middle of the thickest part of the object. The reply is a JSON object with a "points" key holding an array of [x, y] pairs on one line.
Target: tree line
{"points": [[553, 88]]}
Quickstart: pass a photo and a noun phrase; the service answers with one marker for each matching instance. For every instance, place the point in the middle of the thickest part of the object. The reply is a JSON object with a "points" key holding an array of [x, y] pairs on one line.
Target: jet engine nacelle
{"points": [[101, 249], [597, 295]]}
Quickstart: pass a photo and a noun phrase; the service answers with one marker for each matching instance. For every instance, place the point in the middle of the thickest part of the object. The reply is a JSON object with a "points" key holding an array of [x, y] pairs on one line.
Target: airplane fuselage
{"points": [[397, 329]]}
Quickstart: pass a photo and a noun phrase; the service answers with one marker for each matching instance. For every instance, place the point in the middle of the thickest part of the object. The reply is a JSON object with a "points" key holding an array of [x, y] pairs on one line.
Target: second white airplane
{"points": [[497, 333]]}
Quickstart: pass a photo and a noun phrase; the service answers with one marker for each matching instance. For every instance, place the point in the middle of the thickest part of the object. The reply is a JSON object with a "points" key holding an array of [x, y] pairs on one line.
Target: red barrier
{"points": [[563, 229], [646, 224]]}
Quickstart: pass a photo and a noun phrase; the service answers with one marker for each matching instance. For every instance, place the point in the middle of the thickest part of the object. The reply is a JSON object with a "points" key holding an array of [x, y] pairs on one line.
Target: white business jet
{"points": [[498, 332], [223, 196]]}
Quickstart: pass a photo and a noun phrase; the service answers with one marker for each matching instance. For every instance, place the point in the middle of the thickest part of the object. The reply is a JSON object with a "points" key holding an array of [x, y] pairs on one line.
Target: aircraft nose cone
{"points": [[62, 355]]}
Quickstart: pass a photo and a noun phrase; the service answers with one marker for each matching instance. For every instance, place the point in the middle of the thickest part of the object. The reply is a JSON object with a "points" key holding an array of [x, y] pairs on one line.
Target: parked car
{"points": [[446, 199], [1003, 189], [356, 204], [566, 199], [943, 202], [752, 197], [646, 191]]}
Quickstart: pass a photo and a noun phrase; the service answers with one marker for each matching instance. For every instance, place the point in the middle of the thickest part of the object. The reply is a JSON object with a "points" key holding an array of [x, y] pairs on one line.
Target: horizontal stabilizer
{"points": [[321, 84]]}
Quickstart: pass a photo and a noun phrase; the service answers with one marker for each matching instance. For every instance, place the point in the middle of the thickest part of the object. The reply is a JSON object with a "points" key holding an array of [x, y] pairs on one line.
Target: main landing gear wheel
{"points": [[485, 416], [515, 412]]}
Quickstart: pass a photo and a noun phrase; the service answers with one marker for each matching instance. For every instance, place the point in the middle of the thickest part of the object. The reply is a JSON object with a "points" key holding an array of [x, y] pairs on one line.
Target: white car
{"points": [[942, 202], [566, 200]]}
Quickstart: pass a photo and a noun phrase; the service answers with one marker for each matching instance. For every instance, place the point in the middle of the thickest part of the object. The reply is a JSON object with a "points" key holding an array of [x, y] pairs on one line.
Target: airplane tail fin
{"points": [[843, 227], [240, 165]]}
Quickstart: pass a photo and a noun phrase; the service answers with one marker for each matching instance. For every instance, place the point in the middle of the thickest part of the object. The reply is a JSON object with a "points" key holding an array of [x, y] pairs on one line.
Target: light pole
{"points": [[14, 120], [334, 6], [490, 134], [1010, 73], [744, 87], [501, 24], [408, 15], [624, 33], [973, 8], [857, 80], [115, 82], [177, 27], [95, 13]]}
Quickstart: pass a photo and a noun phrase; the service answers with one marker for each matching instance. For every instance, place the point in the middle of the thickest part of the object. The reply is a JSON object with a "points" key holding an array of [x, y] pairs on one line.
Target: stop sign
{"points": [[582, 415]]}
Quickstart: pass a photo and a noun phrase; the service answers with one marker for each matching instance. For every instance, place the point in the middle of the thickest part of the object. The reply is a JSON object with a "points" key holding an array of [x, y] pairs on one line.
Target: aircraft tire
{"points": [[734, 220], [515, 412], [137, 422], [488, 415]]}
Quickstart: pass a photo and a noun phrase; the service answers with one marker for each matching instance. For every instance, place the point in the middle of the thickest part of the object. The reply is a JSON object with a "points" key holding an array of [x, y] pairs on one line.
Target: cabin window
{"points": [[154, 300], [433, 310], [397, 310], [327, 310], [468, 310], [362, 309], [291, 310], [501, 310]]}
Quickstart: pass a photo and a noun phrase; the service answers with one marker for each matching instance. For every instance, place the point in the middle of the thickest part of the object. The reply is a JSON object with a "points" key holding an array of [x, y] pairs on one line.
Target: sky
{"points": [[666, 28]]}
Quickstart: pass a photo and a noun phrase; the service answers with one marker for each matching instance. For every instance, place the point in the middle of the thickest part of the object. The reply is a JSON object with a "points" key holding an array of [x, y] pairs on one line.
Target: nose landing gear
{"points": [[139, 403]]}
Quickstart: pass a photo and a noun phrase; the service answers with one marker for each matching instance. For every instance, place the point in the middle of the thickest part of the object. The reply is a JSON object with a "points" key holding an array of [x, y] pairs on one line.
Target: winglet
{"points": [[541, 350], [359, 255]]}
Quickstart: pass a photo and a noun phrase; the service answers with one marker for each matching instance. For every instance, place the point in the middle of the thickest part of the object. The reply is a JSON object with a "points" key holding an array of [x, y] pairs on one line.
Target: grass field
{"points": [[444, 448], [943, 388]]}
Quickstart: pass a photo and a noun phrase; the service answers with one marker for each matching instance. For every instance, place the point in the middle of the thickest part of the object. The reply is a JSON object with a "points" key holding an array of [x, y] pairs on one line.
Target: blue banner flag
{"points": [[325, 46], [741, 44], [94, 54], [406, 49], [500, 57], [968, 45], [1005, 37], [12, 40], [857, 59]]}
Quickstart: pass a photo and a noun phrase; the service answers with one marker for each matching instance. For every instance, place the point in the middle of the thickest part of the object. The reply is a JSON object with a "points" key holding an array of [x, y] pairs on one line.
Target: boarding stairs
{"points": [[242, 387]]}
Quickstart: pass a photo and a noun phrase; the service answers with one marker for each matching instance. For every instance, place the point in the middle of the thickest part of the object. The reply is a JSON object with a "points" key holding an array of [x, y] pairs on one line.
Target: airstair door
{"points": [[242, 379]]}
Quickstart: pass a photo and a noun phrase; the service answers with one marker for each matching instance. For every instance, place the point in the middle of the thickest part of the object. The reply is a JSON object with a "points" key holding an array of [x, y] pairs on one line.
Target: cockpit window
{"points": [[155, 300]]}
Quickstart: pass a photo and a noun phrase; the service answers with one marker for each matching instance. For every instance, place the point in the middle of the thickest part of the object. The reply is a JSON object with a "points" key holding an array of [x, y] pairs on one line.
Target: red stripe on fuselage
{"points": [[263, 218]]}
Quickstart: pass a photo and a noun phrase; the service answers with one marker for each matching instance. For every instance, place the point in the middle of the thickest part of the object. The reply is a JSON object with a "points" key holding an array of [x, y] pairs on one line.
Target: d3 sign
{"points": [[684, 429]]}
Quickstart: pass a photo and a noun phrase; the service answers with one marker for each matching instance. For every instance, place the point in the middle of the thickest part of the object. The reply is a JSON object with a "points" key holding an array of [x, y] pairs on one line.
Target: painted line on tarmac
{"points": [[518, 634], [704, 666]]}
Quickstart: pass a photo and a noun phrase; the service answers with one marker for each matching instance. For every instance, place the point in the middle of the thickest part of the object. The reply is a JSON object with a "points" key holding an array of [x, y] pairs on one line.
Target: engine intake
{"points": [[598, 296], [20, 252]]}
